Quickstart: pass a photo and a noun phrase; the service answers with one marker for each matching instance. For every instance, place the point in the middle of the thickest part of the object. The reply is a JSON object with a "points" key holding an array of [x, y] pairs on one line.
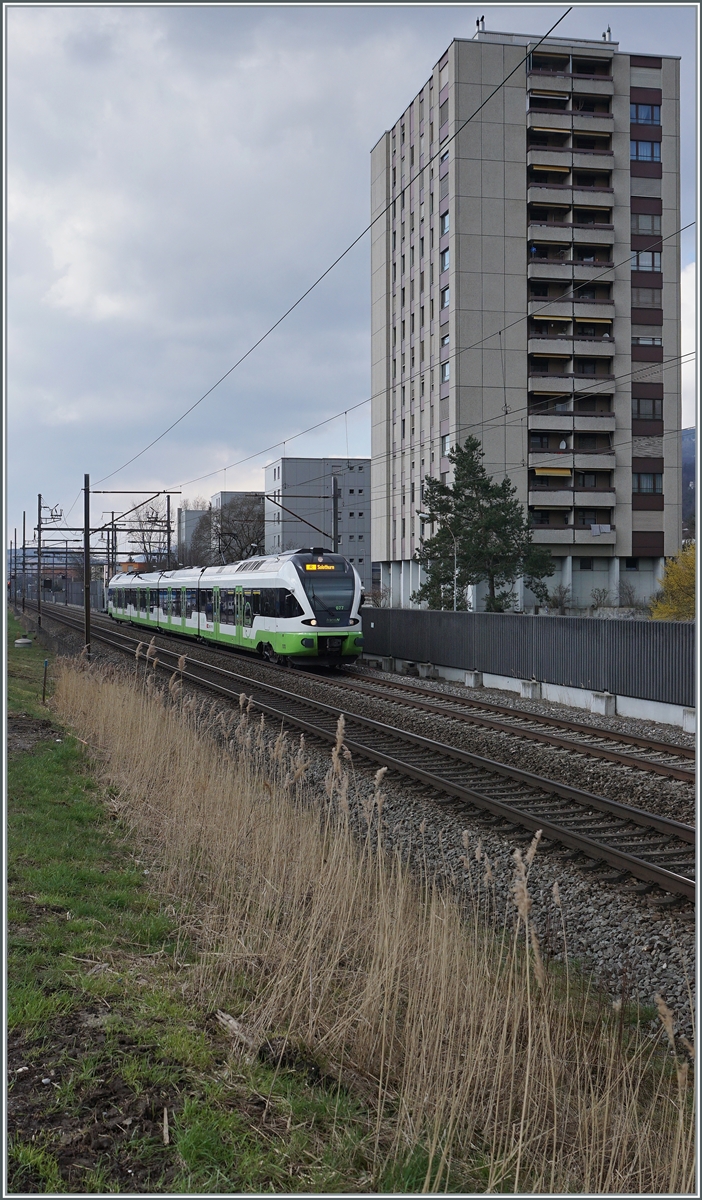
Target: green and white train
{"points": [[302, 606]]}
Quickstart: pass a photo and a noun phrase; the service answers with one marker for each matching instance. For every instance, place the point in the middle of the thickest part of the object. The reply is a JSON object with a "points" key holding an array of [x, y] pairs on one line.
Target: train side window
{"points": [[190, 601], [142, 600], [227, 615], [175, 602], [248, 609], [206, 603]]}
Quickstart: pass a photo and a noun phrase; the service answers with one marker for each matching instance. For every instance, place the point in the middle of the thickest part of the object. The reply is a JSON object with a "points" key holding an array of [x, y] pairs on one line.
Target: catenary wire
{"points": [[332, 265], [454, 354]]}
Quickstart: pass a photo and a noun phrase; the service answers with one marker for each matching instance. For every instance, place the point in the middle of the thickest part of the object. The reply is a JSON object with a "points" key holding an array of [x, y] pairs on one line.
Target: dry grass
{"points": [[506, 1074]]}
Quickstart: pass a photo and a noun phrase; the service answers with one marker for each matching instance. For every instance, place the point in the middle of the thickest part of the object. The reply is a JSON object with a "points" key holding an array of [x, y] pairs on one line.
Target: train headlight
{"points": [[358, 641], [307, 642]]}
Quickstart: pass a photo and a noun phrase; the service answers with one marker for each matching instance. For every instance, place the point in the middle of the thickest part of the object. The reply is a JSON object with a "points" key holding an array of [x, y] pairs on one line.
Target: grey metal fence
{"points": [[651, 660]]}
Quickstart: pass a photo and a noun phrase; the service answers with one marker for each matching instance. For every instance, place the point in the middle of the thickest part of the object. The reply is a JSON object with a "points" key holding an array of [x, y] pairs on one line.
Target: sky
{"points": [[176, 178]]}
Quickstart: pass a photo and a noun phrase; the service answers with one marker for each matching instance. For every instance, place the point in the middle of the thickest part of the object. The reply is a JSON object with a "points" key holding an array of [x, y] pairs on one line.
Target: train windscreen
{"points": [[330, 588]]}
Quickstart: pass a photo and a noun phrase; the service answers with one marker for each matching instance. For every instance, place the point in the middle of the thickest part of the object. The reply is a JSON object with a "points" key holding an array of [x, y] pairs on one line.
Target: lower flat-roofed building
{"points": [[321, 502]]}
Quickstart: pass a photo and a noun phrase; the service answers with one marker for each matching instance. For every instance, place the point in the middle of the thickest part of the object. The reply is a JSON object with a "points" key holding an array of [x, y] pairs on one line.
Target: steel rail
{"points": [[525, 714], [449, 706], [437, 778]]}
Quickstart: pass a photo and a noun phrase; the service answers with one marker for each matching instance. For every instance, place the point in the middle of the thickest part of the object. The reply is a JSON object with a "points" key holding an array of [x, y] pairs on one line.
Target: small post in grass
{"points": [[43, 686]]}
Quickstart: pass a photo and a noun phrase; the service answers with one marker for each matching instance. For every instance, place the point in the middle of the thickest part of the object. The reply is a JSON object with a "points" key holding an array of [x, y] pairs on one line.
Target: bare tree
{"points": [[201, 543], [378, 596], [230, 533], [559, 598], [238, 528], [149, 539]]}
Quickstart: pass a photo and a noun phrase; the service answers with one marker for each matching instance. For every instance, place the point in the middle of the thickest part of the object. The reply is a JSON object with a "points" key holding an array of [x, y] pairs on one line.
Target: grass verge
{"points": [[104, 1034], [480, 1069]]}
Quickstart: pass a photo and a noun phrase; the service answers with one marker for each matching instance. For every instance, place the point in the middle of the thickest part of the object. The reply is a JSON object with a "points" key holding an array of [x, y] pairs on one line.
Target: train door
{"points": [[239, 611]]}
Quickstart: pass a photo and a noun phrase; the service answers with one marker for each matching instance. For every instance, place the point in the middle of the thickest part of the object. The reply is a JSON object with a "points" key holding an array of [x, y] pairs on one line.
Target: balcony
{"points": [[586, 270], [593, 347], [552, 535], [550, 156], [594, 422], [598, 85], [551, 384], [551, 458], [559, 347], [597, 497], [588, 196], [593, 160], [552, 422], [597, 309], [549, 231], [547, 193], [592, 122], [550, 268], [594, 460], [555, 309], [597, 235], [540, 119], [550, 498], [586, 537]]}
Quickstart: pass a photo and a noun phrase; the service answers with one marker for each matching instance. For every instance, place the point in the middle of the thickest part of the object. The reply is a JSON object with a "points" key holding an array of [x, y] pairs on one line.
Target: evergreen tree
{"points": [[492, 537]]}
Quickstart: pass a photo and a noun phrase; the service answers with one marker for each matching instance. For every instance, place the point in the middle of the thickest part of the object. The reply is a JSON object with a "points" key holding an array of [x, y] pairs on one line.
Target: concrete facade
{"points": [[300, 507], [505, 304]]}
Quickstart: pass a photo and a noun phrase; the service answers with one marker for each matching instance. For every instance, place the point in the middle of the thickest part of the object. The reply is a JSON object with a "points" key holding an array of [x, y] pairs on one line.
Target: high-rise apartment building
{"points": [[321, 502], [526, 290]]}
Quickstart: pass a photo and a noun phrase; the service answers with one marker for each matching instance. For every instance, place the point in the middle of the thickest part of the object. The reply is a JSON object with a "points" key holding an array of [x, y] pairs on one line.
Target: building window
{"points": [[444, 224], [631, 564], [403, 429], [645, 114], [646, 260], [646, 298], [403, 526], [445, 339], [444, 260], [445, 372], [647, 483], [645, 151], [646, 341], [585, 564], [645, 409], [645, 223], [444, 188], [445, 296], [445, 444], [586, 366]]}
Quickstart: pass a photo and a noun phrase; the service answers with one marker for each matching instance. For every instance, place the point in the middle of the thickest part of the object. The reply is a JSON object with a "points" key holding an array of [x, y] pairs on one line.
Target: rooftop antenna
{"points": [[482, 24], [609, 34]]}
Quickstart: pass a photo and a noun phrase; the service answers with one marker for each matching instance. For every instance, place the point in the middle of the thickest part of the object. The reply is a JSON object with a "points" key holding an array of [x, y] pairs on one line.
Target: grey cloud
{"points": [[177, 176]]}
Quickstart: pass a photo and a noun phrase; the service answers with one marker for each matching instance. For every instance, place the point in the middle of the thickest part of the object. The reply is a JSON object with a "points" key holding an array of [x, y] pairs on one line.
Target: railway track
{"points": [[638, 753], [661, 758], [655, 850]]}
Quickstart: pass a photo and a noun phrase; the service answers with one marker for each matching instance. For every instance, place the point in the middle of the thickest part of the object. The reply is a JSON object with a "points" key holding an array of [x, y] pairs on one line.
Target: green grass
{"points": [[96, 1006], [25, 669]]}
